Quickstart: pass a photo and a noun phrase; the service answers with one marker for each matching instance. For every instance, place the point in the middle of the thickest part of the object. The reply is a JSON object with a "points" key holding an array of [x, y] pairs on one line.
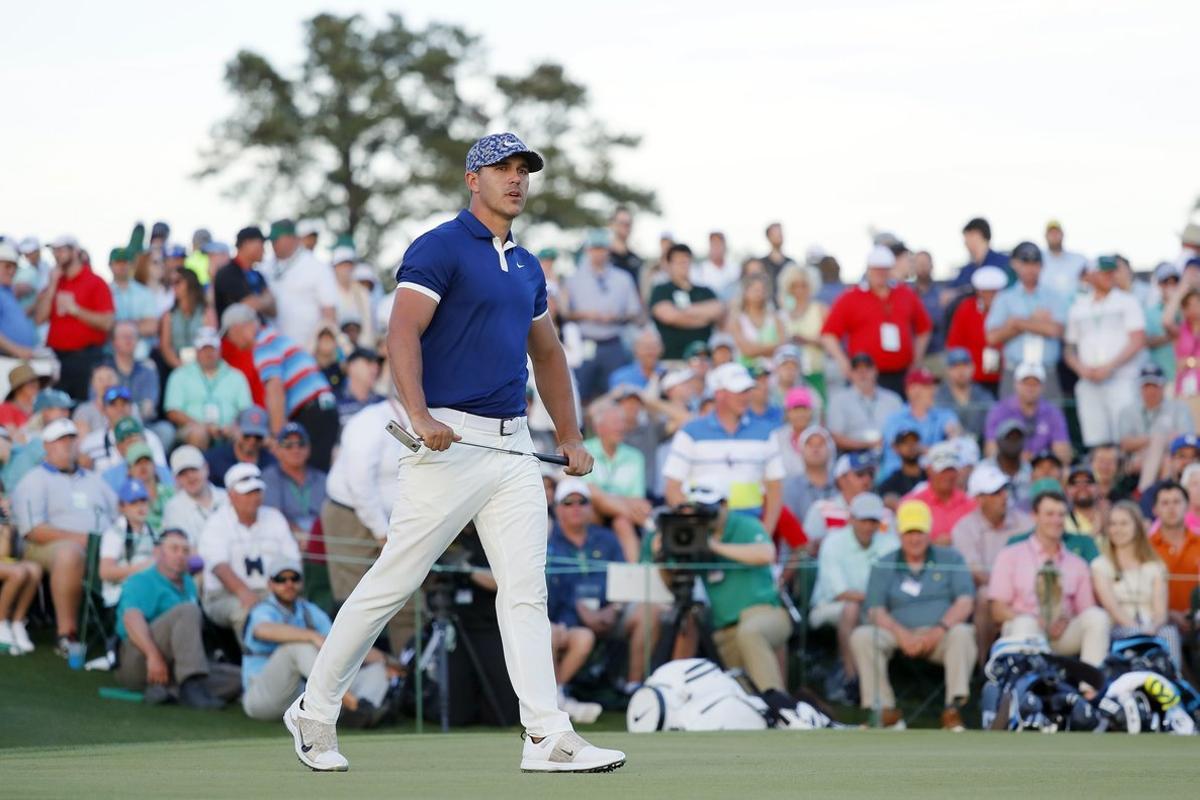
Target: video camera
{"points": [[684, 532]]}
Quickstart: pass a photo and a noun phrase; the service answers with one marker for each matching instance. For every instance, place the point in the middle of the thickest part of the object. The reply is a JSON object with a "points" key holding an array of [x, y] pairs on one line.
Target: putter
{"points": [[414, 444]]}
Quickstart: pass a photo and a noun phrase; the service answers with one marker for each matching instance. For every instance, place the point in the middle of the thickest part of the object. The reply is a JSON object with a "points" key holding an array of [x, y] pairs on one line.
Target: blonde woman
{"points": [[803, 317], [753, 322], [1131, 581]]}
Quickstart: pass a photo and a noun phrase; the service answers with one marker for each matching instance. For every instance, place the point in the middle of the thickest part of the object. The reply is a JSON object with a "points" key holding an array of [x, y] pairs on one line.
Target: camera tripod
{"points": [[685, 609], [448, 633]]}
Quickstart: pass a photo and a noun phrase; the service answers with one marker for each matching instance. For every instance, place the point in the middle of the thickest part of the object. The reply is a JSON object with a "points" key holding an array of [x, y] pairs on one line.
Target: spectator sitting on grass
{"points": [[283, 635], [57, 506], [843, 568], [158, 622], [127, 547], [919, 600]]}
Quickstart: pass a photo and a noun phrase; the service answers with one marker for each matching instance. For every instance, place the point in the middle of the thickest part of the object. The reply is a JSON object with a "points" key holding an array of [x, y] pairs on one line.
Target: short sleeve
{"points": [[835, 323], [998, 313], [320, 620], [1000, 585], [110, 544], [99, 297], [175, 396], [961, 582], [679, 460], [1135, 318], [427, 268], [540, 305], [660, 293], [876, 587], [268, 359], [1071, 334], [922, 324], [29, 503]]}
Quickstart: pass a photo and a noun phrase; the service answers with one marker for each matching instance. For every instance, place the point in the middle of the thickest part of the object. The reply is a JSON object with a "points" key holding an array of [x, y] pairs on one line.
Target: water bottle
{"points": [[75, 655]]}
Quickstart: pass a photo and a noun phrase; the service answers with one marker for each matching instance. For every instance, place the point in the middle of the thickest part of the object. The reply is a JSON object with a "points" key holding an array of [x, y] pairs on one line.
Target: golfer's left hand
{"points": [[579, 458]]}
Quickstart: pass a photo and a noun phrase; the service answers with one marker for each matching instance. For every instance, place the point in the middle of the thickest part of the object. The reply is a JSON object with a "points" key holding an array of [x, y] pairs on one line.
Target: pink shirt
{"points": [[945, 515], [1015, 575]]}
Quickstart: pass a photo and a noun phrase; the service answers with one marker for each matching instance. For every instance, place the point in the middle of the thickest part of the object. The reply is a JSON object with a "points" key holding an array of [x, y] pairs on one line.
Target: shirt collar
{"points": [[477, 228]]}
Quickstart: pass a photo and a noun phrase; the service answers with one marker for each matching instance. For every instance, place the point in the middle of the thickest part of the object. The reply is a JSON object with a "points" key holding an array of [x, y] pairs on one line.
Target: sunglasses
{"points": [[293, 444], [579, 502], [289, 578]]}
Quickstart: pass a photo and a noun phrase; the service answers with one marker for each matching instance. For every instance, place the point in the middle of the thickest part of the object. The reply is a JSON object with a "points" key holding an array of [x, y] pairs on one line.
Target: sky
{"points": [[835, 119]]}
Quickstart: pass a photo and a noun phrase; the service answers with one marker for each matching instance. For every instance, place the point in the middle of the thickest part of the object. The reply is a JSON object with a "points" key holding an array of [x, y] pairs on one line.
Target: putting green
{"points": [[825, 764]]}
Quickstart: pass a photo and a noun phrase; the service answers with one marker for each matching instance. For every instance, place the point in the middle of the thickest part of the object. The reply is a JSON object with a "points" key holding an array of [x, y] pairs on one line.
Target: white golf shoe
{"points": [[316, 741], [579, 712], [568, 752], [22, 637]]}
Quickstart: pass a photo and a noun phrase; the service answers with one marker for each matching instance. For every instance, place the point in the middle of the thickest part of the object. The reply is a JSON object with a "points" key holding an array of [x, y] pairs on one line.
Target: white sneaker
{"points": [[568, 752], [8, 642], [22, 637], [579, 712], [316, 741]]}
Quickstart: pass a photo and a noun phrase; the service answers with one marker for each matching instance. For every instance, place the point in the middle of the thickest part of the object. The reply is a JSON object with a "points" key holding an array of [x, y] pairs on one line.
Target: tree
{"points": [[374, 127]]}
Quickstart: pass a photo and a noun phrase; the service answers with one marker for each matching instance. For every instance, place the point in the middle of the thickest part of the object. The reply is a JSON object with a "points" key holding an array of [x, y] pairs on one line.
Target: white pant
{"points": [[1099, 404], [439, 493]]}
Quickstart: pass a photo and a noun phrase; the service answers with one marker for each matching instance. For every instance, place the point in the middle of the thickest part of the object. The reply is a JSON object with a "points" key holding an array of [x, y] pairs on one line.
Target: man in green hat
{"points": [[306, 284], [134, 301], [1106, 333]]}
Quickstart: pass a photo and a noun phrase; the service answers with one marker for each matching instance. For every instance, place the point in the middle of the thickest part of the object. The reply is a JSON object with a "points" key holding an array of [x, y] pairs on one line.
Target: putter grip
{"points": [[552, 459]]}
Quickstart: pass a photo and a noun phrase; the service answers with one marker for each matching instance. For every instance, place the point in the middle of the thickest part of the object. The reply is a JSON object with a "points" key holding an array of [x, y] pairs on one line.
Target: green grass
{"points": [[58, 738]]}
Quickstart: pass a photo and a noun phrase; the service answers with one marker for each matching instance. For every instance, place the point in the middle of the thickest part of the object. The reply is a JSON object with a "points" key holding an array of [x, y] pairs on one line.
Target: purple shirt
{"points": [[1044, 428]]}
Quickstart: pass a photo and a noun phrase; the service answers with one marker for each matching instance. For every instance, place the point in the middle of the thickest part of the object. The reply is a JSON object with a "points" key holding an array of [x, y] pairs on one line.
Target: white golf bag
{"points": [[694, 694]]}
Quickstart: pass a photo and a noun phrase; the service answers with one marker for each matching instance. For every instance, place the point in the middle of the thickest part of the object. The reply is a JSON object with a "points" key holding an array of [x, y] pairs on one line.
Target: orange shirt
{"points": [[1183, 567]]}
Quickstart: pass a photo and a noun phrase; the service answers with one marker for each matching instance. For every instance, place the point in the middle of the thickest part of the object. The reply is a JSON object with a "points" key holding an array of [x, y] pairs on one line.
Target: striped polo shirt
{"points": [[741, 462], [277, 356]]}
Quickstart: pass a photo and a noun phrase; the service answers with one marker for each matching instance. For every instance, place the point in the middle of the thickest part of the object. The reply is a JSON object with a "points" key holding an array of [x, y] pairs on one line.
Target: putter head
{"points": [[402, 436]]}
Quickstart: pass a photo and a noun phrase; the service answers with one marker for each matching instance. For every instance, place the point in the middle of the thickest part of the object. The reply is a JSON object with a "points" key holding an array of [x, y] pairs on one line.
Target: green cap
{"points": [[698, 348], [1044, 486], [547, 254], [137, 452], [1106, 263], [125, 428], [282, 227], [118, 254], [344, 240]]}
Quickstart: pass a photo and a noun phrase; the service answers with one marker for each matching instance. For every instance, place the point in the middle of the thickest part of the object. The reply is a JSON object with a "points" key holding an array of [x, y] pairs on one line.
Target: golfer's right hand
{"points": [[435, 435]]}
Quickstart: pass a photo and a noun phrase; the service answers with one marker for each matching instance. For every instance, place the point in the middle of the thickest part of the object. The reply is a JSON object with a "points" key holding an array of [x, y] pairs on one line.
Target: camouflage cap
{"points": [[495, 147]]}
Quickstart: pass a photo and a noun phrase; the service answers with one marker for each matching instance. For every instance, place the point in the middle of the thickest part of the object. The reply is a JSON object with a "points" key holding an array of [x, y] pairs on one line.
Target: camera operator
{"points": [[749, 622]]}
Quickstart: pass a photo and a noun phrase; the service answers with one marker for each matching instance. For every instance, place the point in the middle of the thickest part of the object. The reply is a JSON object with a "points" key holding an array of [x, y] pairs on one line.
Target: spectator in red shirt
{"points": [[946, 500], [23, 387], [967, 327], [79, 307], [883, 319]]}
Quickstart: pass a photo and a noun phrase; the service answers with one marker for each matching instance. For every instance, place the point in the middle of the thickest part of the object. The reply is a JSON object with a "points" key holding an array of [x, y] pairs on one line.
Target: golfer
{"points": [[470, 304]]}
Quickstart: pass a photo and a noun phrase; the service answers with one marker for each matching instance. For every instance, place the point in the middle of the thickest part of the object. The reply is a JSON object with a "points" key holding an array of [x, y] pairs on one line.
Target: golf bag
{"points": [[694, 694], [1145, 692]]}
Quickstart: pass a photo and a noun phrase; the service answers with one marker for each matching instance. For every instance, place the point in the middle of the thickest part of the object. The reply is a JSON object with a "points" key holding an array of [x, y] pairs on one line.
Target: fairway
{"points": [[732, 765]]}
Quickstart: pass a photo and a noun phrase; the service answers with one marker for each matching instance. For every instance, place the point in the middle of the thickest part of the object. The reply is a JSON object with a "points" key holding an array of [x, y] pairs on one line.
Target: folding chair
{"points": [[97, 624]]}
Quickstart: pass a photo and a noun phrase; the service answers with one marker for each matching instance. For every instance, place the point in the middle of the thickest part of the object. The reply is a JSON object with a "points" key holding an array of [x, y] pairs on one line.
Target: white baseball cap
{"points": [[365, 272], [986, 479], [989, 279], [30, 244], [244, 479], [674, 378], [569, 486], [342, 255], [731, 377], [1030, 369], [943, 455], [881, 257], [705, 494], [8, 252], [206, 337], [308, 227], [58, 429], [64, 240], [186, 457]]}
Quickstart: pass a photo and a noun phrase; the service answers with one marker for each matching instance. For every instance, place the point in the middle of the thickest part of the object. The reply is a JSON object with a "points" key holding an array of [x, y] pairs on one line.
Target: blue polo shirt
{"points": [[302, 615], [15, 326], [932, 430], [1017, 301], [150, 592], [578, 573], [488, 293]]}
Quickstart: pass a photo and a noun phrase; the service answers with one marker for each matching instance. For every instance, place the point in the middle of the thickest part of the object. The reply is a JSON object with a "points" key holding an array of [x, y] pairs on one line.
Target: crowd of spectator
{"points": [[918, 465]]}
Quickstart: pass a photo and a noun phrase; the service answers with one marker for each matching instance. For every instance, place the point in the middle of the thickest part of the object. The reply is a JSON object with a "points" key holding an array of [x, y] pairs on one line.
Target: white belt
{"points": [[492, 425]]}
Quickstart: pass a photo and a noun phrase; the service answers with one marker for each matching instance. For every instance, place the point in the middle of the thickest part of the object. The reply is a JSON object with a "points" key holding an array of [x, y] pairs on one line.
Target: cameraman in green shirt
{"points": [[749, 622]]}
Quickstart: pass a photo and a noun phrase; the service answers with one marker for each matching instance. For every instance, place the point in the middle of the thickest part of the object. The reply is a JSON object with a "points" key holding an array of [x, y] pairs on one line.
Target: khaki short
{"points": [[45, 554]]}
